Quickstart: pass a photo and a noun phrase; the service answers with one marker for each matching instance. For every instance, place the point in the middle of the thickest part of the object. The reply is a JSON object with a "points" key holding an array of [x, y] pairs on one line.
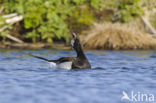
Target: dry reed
{"points": [[117, 37]]}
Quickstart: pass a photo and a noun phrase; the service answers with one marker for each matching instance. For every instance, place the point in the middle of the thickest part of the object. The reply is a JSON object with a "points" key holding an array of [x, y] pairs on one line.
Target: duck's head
{"points": [[75, 42]]}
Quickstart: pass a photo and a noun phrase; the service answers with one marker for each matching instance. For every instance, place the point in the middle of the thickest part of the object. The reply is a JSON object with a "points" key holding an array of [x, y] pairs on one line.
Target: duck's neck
{"points": [[80, 53]]}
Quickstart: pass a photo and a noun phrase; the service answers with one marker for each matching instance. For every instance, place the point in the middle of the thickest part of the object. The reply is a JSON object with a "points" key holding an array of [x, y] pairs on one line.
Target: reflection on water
{"points": [[24, 79]]}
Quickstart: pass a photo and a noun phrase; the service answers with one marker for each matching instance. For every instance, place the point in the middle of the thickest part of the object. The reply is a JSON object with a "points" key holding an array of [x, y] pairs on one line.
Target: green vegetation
{"points": [[129, 9], [46, 20]]}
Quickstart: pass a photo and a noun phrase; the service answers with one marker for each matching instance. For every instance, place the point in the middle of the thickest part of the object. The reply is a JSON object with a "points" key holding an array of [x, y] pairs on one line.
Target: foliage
{"points": [[48, 19], [129, 9], [4, 33]]}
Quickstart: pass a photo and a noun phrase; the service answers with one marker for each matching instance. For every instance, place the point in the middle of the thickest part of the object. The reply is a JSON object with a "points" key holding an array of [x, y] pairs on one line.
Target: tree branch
{"points": [[149, 26], [11, 21], [14, 39], [9, 15]]}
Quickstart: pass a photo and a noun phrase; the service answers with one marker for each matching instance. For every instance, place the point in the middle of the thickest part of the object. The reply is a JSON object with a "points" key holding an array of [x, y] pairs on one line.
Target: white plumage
{"points": [[64, 65]]}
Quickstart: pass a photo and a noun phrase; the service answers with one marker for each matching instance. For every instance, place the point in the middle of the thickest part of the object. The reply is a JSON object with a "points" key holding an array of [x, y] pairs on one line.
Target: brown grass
{"points": [[117, 37]]}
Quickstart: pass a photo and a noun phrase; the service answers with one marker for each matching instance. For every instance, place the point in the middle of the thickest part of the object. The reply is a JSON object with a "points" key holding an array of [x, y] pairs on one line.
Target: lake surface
{"points": [[24, 79]]}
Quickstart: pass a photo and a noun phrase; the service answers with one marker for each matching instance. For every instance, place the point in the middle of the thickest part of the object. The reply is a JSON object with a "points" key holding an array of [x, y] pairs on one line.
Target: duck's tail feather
{"points": [[40, 58]]}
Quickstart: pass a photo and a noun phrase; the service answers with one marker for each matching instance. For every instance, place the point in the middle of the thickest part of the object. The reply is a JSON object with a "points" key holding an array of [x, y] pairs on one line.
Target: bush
{"points": [[129, 9], [45, 20], [48, 19]]}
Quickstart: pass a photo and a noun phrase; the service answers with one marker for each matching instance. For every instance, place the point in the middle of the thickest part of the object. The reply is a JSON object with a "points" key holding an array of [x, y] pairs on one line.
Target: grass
{"points": [[117, 37]]}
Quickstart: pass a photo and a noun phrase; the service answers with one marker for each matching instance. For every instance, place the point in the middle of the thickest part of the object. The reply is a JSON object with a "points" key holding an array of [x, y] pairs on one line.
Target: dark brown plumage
{"points": [[79, 62]]}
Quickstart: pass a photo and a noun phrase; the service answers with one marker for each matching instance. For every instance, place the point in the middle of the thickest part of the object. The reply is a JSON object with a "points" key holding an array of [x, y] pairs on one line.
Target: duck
{"points": [[78, 62]]}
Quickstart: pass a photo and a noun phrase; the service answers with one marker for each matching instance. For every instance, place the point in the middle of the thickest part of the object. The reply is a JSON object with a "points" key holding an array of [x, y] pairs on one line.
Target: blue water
{"points": [[24, 79]]}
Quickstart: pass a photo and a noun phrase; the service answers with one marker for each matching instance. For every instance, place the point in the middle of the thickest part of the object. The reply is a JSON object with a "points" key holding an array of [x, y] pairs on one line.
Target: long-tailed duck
{"points": [[79, 62]]}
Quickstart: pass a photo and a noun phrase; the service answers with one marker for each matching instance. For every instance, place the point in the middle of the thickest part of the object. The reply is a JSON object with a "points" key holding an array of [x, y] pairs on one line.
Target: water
{"points": [[24, 79]]}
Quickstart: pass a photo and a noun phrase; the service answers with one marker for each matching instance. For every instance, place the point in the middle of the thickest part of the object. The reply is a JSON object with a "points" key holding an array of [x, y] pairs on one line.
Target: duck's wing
{"points": [[65, 59]]}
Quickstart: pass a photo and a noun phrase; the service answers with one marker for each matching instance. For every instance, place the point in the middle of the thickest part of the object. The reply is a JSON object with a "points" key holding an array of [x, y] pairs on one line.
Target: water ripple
{"points": [[24, 79]]}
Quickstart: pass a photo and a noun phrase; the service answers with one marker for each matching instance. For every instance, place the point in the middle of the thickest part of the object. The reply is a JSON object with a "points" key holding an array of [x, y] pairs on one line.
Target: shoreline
{"points": [[10, 45], [55, 46]]}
